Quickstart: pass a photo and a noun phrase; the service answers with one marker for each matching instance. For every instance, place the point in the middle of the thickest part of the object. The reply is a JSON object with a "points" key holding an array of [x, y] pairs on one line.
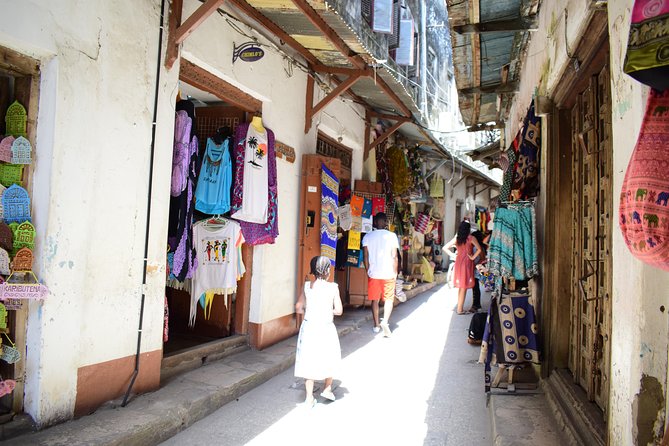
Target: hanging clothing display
{"points": [[212, 195], [646, 58], [218, 248], [512, 252], [181, 214], [511, 333], [526, 175], [181, 152], [329, 200], [253, 206], [255, 163]]}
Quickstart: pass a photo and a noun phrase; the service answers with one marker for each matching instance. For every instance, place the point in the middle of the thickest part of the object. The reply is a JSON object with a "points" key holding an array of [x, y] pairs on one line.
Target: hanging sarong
{"points": [[526, 177], [511, 333], [329, 200], [512, 251]]}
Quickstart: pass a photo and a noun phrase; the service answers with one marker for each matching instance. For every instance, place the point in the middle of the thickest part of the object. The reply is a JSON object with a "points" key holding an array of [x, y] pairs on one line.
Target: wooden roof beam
{"points": [[329, 33], [385, 135], [497, 88], [515, 25], [311, 110], [389, 91], [274, 29], [192, 22]]}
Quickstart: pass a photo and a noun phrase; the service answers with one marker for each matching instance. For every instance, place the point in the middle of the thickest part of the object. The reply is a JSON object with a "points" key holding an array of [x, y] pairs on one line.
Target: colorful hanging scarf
{"points": [[329, 200], [526, 178], [644, 198], [512, 251]]}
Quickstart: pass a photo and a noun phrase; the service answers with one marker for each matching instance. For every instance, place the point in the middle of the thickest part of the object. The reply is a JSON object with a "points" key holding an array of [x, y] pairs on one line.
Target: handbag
{"points": [[644, 198], [647, 58]]}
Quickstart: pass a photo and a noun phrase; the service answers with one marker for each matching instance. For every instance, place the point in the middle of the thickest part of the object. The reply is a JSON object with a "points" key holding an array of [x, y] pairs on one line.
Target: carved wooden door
{"points": [[589, 358]]}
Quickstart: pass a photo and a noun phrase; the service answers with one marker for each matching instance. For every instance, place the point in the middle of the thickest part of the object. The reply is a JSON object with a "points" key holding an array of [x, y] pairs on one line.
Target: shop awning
{"points": [[337, 45], [489, 37]]}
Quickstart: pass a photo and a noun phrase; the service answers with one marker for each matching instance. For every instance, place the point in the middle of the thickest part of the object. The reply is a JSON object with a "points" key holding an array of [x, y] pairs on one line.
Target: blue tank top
{"points": [[212, 195]]}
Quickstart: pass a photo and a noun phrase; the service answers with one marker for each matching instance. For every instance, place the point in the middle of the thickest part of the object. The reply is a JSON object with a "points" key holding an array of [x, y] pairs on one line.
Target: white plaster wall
{"points": [[640, 329], [90, 187], [283, 95]]}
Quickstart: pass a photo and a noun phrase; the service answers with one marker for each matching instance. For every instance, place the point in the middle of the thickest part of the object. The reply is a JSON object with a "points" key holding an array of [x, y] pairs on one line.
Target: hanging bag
{"points": [[437, 186], [647, 58], [644, 199]]}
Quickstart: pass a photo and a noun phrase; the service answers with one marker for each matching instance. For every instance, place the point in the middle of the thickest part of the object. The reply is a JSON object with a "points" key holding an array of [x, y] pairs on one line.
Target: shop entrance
{"points": [[590, 335], [215, 109], [19, 94]]}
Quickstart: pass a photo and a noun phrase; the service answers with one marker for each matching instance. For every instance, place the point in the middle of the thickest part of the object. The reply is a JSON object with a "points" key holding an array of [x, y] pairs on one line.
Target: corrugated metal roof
{"points": [[487, 59], [342, 17]]}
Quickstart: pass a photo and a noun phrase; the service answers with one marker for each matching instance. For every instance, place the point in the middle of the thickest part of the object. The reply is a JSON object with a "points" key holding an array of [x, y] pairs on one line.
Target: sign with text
{"points": [[248, 52]]}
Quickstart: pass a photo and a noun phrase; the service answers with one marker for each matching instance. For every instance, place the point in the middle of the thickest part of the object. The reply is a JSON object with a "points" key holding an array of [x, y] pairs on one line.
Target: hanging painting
{"points": [[23, 261], [21, 151], [10, 174], [16, 119], [16, 204], [6, 149], [24, 236]]}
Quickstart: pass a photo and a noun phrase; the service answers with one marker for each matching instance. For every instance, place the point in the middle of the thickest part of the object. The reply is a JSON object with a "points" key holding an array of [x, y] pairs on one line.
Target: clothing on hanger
{"points": [[212, 195], [218, 244]]}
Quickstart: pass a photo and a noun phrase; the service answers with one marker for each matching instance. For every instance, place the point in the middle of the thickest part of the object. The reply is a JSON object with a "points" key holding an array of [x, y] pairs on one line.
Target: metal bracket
{"points": [[591, 271]]}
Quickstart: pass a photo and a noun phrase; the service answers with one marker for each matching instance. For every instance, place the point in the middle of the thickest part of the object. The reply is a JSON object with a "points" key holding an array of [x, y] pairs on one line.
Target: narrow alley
{"points": [[425, 375]]}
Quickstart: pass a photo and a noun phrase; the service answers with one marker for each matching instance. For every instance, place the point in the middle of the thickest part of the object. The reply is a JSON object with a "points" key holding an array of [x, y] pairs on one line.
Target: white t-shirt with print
{"points": [[382, 246], [217, 257], [256, 178]]}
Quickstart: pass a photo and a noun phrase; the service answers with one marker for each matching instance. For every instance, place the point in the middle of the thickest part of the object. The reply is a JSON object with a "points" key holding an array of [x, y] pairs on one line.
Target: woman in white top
{"points": [[318, 350]]}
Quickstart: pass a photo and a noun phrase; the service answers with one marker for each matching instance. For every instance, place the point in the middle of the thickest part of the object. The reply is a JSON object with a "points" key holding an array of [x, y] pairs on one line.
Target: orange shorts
{"points": [[383, 289]]}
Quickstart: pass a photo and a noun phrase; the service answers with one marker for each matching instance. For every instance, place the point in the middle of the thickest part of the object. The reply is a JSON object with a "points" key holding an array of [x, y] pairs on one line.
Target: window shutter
{"points": [[366, 10], [382, 17], [394, 38], [405, 51]]}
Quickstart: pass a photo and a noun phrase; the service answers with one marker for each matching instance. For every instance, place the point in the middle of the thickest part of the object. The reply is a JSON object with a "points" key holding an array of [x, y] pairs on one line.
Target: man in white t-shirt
{"points": [[380, 249]]}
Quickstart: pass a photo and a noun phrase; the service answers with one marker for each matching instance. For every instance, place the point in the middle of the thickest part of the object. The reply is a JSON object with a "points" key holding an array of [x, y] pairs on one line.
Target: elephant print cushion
{"points": [[644, 199]]}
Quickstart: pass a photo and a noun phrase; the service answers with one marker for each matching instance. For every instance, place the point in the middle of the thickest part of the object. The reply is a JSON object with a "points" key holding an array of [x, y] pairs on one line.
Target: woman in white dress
{"points": [[318, 351]]}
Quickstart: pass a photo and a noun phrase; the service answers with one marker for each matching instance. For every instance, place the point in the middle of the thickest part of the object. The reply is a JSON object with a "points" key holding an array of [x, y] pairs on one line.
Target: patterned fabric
{"points": [[644, 214], [646, 59], [526, 173], [181, 153], [400, 175], [329, 199], [256, 233], [505, 191], [185, 261], [513, 248], [422, 221], [383, 169], [511, 333]]}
